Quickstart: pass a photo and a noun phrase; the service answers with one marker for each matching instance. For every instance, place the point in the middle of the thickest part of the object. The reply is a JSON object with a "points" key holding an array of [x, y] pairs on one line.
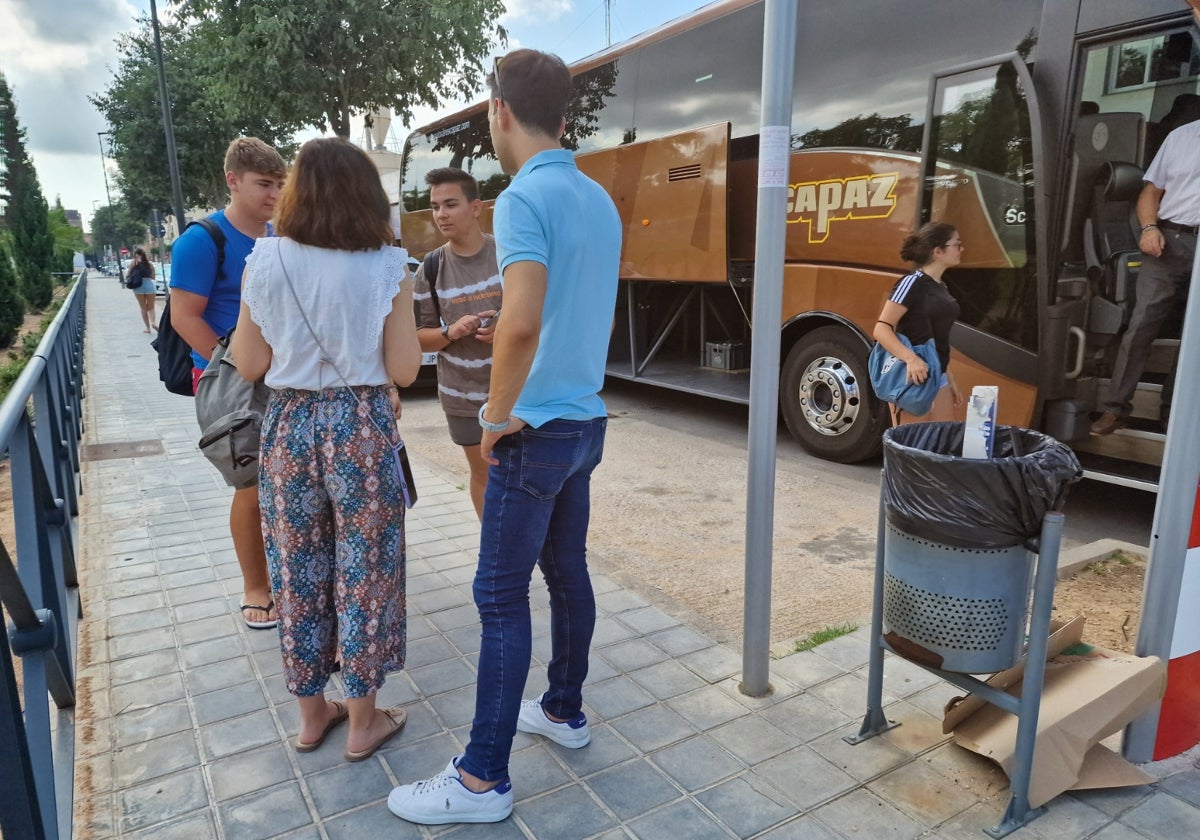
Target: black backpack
{"points": [[431, 264], [175, 354]]}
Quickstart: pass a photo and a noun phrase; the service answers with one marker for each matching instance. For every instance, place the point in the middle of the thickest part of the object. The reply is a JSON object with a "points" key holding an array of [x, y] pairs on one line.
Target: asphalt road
{"points": [[669, 511]]}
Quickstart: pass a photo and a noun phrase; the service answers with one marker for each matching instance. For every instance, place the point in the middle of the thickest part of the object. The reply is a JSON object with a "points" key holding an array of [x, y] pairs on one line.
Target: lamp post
{"points": [[168, 125], [100, 135]]}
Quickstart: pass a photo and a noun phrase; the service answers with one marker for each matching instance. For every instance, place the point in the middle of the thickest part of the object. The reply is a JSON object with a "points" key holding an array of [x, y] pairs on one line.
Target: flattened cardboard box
{"points": [[1085, 698]]}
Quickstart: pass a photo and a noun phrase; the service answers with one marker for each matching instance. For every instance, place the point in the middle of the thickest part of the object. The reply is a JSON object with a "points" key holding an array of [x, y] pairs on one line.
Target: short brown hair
{"points": [[249, 154], [454, 175], [536, 86], [333, 198], [918, 247]]}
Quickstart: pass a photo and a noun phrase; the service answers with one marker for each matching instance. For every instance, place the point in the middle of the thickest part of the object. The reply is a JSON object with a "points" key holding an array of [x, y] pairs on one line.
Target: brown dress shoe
{"points": [[1107, 424]]}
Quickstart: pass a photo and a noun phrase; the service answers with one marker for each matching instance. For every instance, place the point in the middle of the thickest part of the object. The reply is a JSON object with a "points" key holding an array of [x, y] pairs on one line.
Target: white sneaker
{"points": [[571, 734], [444, 799]]}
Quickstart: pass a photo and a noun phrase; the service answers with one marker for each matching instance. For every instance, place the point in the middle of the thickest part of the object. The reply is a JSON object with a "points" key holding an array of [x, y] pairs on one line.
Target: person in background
{"points": [[558, 238], [141, 267], [204, 306], [327, 317], [920, 307], [1168, 212], [455, 317]]}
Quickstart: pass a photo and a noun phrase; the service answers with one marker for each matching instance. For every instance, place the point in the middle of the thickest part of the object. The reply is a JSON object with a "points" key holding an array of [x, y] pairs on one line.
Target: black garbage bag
{"points": [[929, 491]]}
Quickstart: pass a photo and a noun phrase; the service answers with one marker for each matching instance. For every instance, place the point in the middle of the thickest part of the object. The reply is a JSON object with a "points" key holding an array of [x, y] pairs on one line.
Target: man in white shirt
{"points": [[1168, 212]]}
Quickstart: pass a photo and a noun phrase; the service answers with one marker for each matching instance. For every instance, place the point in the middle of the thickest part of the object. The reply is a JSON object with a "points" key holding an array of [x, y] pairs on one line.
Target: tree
{"points": [[116, 227], [203, 123], [26, 216], [12, 308], [67, 238], [320, 62]]}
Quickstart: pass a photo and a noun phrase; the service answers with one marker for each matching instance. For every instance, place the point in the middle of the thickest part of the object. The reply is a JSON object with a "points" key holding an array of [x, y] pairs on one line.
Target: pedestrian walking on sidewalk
{"points": [[140, 280], [327, 317], [558, 240], [206, 289]]}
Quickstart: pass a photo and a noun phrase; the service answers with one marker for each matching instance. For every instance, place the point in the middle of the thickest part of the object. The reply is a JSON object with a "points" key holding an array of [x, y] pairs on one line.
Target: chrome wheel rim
{"points": [[829, 396]]}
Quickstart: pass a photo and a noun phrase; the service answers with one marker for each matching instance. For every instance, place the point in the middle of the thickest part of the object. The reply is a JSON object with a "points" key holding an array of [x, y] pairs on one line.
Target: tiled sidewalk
{"points": [[183, 717]]}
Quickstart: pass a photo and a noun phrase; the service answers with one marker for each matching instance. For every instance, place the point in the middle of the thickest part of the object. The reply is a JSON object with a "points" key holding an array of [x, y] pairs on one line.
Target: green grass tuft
{"points": [[822, 636]]}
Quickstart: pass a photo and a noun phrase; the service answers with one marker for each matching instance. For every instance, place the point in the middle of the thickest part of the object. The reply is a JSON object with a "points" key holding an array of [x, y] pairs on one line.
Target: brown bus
{"points": [[1026, 123]]}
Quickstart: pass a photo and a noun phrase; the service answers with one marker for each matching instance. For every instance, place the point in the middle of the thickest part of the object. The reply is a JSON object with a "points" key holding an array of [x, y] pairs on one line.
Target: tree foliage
{"points": [[203, 122], [319, 62], [26, 217], [117, 227], [67, 238], [12, 308]]}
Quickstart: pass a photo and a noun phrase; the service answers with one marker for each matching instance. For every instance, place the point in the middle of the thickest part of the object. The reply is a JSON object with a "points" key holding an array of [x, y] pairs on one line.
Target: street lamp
{"points": [[100, 135]]}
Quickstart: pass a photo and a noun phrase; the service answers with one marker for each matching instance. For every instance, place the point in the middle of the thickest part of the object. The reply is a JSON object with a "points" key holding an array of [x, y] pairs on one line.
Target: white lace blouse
{"points": [[346, 296]]}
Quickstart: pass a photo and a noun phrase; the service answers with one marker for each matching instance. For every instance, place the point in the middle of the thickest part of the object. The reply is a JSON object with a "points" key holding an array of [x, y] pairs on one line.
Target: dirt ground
{"points": [[1109, 594]]}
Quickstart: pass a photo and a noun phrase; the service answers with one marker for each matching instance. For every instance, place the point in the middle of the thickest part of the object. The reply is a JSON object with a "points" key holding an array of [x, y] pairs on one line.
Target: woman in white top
{"points": [[325, 305]]}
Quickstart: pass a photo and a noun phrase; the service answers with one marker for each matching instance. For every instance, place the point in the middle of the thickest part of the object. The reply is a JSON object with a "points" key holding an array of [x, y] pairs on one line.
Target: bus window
{"points": [[978, 177], [600, 114]]}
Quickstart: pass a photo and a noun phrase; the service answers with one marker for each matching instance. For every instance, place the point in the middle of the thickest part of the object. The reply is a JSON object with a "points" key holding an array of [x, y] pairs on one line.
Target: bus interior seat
{"points": [[1099, 138], [1184, 109], [1111, 244]]}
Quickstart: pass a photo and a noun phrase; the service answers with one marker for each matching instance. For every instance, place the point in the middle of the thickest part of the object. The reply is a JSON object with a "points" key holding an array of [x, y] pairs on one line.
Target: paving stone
{"points": [[805, 716], [652, 728], [198, 826], [610, 631], [751, 739], [805, 669], [678, 640], [378, 822], [917, 731], [199, 592], [1185, 785], [632, 789], [679, 819], [971, 823], [632, 654], [714, 663], [605, 750], [228, 702], [707, 707], [802, 828], [567, 814], [922, 793], [618, 696], [127, 624], [188, 579], [196, 610], [804, 777], [135, 644], [864, 760], [847, 652], [1117, 831], [862, 814], [1114, 801], [745, 809], [648, 620], [668, 679], [848, 694], [619, 601], [218, 675], [265, 813], [1162, 815], [442, 676], [147, 693], [151, 759], [154, 664], [231, 736], [413, 760], [163, 799], [697, 762], [206, 629], [348, 786], [133, 727], [533, 770], [214, 650], [249, 770]]}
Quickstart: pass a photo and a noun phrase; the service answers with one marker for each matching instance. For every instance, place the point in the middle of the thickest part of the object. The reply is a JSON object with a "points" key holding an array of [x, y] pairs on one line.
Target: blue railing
{"points": [[40, 426]]}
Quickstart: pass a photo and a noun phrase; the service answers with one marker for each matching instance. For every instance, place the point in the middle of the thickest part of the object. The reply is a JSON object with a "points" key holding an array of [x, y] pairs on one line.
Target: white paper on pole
{"points": [[773, 147]]}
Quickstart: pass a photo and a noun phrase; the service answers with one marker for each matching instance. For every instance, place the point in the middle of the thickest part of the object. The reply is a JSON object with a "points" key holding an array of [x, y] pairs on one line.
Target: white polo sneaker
{"points": [[444, 799], [571, 734]]}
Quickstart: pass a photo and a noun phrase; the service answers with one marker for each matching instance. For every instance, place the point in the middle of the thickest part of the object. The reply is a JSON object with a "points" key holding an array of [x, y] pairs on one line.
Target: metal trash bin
{"points": [[958, 571], [957, 609]]}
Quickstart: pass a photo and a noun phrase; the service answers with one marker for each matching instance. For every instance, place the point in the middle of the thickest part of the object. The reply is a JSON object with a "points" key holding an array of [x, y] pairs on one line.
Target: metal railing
{"points": [[41, 423]]}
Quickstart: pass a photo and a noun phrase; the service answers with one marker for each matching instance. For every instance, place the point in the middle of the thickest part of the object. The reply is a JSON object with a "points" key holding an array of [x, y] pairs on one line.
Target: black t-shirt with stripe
{"points": [[931, 312]]}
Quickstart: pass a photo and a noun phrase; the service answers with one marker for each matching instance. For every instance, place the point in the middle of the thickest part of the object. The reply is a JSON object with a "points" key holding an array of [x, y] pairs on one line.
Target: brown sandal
{"points": [[340, 715], [398, 717]]}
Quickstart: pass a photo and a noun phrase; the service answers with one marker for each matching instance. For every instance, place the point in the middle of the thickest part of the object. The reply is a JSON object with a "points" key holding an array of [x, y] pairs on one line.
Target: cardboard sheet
{"points": [[1086, 697]]}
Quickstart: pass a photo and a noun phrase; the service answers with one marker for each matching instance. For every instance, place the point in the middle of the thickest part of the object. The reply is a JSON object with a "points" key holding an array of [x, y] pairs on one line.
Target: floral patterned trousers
{"points": [[333, 525]]}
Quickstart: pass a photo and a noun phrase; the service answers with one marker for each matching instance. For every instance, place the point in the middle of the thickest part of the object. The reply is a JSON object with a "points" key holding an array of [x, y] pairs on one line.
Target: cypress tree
{"points": [[26, 215], [12, 310]]}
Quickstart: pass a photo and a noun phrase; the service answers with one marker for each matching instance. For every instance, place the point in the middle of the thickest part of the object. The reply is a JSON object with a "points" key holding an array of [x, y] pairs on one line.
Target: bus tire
{"points": [[826, 399]]}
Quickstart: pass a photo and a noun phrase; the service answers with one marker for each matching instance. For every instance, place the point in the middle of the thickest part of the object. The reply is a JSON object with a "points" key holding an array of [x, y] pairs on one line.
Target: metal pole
{"points": [[779, 56], [1177, 484], [168, 125], [107, 194]]}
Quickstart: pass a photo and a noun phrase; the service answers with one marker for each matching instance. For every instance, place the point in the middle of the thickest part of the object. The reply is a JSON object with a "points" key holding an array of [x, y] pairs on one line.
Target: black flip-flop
{"points": [[268, 624]]}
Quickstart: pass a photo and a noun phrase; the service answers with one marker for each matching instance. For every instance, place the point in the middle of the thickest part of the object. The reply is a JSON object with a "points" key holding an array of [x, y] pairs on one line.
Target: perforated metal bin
{"points": [[958, 609]]}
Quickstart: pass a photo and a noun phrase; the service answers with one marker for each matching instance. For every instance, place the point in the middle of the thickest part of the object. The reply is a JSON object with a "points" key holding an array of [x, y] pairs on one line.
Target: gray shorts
{"points": [[465, 431]]}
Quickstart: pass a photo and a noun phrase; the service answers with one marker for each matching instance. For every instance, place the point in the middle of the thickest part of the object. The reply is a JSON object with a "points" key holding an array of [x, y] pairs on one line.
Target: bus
{"points": [[1025, 123]]}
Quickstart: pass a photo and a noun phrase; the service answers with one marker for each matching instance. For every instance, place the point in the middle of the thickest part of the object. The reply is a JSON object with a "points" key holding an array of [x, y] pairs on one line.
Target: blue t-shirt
{"points": [[553, 214], [194, 269]]}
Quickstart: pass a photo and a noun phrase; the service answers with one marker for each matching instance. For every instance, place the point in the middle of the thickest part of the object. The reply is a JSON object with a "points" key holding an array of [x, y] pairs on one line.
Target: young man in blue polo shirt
{"points": [[558, 240], [205, 299]]}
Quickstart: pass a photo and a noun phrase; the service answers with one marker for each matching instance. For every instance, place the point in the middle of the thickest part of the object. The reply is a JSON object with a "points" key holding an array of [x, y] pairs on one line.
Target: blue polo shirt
{"points": [[194, 269], [553, 214]]}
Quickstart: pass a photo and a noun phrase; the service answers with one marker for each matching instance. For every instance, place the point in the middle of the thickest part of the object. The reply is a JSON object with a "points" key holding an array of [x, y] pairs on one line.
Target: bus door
{"points": [[980, 162]]}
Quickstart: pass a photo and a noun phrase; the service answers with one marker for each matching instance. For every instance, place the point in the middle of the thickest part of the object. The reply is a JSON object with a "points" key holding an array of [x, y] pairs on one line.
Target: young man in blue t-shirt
{"points": [[558, 242], [205, 301]]}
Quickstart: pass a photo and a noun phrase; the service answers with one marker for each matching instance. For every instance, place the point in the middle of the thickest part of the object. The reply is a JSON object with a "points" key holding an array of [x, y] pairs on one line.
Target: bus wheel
{"points": [[825, 395]]}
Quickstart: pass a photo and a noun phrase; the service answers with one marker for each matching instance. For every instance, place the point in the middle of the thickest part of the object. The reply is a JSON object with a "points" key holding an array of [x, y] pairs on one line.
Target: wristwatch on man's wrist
{"points": [[488, 425], [446, 332]]}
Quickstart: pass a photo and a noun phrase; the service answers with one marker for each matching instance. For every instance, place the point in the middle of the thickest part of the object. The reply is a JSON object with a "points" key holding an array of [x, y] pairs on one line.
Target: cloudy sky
{"points": [[54, 53]]}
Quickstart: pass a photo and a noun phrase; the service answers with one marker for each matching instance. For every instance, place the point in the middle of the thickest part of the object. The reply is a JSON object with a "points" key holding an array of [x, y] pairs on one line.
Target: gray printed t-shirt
{"points": [[465, 286]]}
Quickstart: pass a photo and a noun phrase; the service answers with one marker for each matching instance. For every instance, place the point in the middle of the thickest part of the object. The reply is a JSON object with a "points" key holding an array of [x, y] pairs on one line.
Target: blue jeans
{"points": [[535, 511]]}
